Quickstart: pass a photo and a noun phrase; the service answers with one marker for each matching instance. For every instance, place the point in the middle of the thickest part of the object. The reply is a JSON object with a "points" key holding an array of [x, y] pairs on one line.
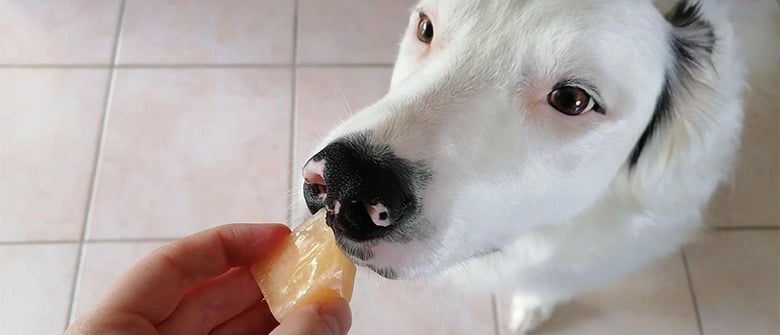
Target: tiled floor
{"points": [[124, 124]]}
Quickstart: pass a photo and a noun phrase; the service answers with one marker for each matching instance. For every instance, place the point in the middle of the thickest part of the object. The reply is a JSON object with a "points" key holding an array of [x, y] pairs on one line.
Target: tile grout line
{"points": [[496, 320], [168, 239], [34, 242], [87, 241], [55, 66], [744, 228], [96, 166], [132, 240], [195, 65], [349, 65], [693, 293], [293, 118]]}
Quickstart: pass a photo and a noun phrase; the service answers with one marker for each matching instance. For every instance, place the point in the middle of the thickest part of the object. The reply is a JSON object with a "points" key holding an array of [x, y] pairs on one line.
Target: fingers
{"points": [[331, 318], [98, 322], [153, 287], [213, 303], [253, 321]]}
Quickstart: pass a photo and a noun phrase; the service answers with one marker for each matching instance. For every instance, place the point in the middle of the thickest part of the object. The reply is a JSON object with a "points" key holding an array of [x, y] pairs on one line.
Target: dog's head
{"points": [[501, 116]]}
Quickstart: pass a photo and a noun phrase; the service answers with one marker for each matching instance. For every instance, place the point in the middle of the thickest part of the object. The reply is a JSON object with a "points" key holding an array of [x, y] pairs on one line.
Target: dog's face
{"points": [[501, 116]]}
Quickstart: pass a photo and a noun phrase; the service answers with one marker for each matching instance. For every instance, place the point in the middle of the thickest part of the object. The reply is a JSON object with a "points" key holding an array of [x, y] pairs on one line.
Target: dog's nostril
{"points": [[379, 214], [322, 191], [314, 179], [313, 174]]}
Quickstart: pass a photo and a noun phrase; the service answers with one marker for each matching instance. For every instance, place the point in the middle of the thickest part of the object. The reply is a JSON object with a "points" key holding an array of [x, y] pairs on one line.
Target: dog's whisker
{"points": [[344, 99]]}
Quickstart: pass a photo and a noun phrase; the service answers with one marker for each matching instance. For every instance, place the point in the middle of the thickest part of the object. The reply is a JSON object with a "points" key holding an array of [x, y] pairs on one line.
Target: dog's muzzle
{"points": [[367, 191]]}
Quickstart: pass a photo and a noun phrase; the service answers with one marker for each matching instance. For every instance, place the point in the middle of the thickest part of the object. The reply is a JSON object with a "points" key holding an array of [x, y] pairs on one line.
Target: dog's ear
{"points": [[691, 43]]}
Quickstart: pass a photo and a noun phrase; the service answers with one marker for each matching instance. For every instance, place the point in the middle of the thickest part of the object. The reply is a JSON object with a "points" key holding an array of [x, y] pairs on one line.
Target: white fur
{"points": [[554, 193]]}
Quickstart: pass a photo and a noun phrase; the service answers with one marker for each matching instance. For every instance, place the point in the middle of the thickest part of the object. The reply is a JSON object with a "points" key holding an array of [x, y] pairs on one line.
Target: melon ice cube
{"points": [[307, 267]]}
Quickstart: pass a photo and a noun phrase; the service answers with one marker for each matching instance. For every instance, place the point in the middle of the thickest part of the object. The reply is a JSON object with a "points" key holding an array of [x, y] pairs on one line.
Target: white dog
{"points": [[548, 145]]}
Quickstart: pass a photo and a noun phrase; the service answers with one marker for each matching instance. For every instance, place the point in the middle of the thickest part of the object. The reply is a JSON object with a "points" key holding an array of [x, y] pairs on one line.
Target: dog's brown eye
{"points": [[425, 29], [571, 100]]}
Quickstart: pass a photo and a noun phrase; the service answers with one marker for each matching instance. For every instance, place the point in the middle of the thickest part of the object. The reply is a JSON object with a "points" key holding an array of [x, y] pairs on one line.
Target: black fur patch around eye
{"points": [[692, 42]]}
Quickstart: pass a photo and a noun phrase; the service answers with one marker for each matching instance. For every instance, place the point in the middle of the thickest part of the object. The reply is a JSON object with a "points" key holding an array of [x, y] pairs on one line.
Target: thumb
{"points": [[331, 318]]}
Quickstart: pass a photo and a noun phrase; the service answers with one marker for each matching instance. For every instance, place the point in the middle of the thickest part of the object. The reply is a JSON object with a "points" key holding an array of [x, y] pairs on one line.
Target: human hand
{"points": [[201, 284]]}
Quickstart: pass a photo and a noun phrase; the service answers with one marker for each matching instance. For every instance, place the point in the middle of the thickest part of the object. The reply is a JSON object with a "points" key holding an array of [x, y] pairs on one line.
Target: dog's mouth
{"points": [[388, 273], [363, 254], [360, 253]]}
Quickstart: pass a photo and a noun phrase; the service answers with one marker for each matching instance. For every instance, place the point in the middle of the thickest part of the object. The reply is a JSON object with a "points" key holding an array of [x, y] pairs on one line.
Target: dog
{"points": [[549, 146]]}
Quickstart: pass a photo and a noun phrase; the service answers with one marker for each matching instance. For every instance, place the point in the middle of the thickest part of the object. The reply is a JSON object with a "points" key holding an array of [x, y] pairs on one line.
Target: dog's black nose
{"points": [[366, 189]]}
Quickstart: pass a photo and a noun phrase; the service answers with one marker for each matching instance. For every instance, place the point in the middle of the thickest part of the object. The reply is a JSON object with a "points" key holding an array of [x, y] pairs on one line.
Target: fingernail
{"points": [[336, 316]]}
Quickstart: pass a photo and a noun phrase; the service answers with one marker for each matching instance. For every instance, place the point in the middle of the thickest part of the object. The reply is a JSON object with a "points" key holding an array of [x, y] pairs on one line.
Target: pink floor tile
{"points": [[351, 31], [49, 125], [736, 279], [35, 284], [654, 300], [102, 264], [232, 31], [382, 307], [58, 32], [326, 96], [187, 149]]}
